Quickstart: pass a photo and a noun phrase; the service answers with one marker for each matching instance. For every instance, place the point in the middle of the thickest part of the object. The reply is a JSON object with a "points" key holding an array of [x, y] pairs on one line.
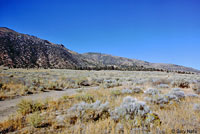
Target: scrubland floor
{"points": [[98, 102]]}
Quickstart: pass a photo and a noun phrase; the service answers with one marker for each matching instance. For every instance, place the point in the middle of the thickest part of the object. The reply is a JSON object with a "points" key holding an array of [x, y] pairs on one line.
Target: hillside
{"points": [[25, 51], [105, 59]]}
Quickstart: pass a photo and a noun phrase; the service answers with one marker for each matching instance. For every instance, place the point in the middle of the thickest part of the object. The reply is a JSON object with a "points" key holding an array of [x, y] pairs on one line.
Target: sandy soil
{"points": [[9, 107]]}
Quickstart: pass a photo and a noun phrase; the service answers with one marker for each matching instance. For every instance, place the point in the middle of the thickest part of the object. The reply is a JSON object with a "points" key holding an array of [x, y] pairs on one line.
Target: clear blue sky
{"points": [[164, 31]]}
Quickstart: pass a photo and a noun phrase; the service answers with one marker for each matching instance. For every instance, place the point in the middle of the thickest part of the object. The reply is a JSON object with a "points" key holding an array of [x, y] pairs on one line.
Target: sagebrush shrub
{"points": [[137, 90], [179, 94], [126, 91], [181, 83], [163, 86], [196, 107], [88, 112], [151, 91], [135, 111], [157, 99], [193, 95], [115, 92], [162, 99], [156, 82], [85, 97], [196, 88]]}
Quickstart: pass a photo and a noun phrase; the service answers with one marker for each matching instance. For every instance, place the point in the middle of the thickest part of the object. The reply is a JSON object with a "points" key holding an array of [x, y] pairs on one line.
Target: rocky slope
{"points": [[24, 51]]}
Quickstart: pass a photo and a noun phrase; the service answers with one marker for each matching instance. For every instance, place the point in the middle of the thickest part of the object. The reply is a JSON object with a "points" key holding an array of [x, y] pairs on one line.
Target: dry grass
{"points": [[175, 116], [12, 124], [180, 116]]}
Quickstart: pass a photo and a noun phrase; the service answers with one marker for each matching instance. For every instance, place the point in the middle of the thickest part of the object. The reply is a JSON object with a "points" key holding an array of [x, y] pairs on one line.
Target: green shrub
{"points": [[35, 120], [27, 106], [115, 92], [85, 97]]}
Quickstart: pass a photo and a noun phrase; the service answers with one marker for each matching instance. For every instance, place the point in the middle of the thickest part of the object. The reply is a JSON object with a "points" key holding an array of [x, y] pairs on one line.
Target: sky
{"points": [[158, 31]]}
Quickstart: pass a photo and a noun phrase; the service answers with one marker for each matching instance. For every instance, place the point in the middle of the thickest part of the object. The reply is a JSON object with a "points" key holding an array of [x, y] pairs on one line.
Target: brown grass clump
{"points": [[10, 90], [28, 106], [12, 124]]}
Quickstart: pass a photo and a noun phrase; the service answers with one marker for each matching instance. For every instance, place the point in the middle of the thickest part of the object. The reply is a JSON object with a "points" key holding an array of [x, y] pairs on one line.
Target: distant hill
{"points": [[105, 59], [25, 51]]}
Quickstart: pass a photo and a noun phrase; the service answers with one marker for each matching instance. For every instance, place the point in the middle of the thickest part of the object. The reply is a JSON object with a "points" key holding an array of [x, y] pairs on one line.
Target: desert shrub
{"points": [[151, 91], [181, 83], [171, 97], [129, 79], [36, 82], [94, 81], [82, 81], [25, 90], [109, 81], [120, 128], [137, 90], [126, 91], [85, 97], [137, 112], [41, 88], [163, 99], [70, 81], [100, 81], [141, 82], [156, 82], [85, 83], [178, 93], [115, 92], [175, 89], [196, 88], [35, 120], [27, 106], [32, 88], [193, 95], [196, 107], [111, 85], [163, 86], [53, 86], [158, 99], [88, 112], [66, 98]]}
